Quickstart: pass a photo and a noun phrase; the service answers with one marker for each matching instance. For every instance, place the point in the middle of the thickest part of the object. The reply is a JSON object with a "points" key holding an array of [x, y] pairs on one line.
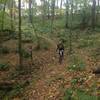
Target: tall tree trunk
{"points": [[97, 15], [61, 7], [14, 6], [67, 14], [52, 14], [84, 15], [43, 11], [98, 6], [48, 9], [57, 3], [11, 14], [3, 16], [98, 3], [20, 37], [71, 25], [93, 14], [76, 10], [30, 11]]}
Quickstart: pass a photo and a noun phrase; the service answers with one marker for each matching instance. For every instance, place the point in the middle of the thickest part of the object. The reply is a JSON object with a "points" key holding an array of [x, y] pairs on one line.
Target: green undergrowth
{"points": [[78, 94], [76, 63], [4, 67], [89, 41], [16, 91], [4, 50], [95, 54]]}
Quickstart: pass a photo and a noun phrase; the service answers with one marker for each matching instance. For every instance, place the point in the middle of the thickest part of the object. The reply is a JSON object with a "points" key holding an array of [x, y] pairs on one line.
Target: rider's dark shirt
{"points": [[60, 46]]}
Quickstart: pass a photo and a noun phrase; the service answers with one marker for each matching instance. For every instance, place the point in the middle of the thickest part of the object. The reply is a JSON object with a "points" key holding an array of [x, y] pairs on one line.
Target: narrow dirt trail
{"points": [[49, 85], [54, 79]]}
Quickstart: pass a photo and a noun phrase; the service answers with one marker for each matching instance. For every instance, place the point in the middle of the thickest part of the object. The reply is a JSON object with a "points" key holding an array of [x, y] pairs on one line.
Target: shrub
{"points": [[68, 94], [77, 67], [25, 54], [4, 50], [45, 46], [85, 43], [95, 54], [78, 94], [2, 94], [82, 95], [74, 81], [42, 44], [76, 63], [17, 90], [4, 67]]}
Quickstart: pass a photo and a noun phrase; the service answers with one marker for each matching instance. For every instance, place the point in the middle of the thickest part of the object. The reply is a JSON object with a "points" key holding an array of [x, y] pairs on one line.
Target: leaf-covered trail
{"points": [[49, 86], [50, 82], [54, 78]]}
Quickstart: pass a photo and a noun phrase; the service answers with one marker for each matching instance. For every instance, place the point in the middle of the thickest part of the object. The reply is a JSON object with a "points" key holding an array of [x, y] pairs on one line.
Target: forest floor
{"points": [[48, 80], [55, 79]]}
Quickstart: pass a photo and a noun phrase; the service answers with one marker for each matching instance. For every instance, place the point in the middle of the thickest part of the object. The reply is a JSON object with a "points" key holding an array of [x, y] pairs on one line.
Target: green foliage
{"points": [[78, 94], [6, 20], [2, 94], [89, 40], [74, 81], [79, 67], [82, 95], [68, 94], [77, 64], [28, 32], [4, 67], [86, 43], [4, 50], [59, 24], [45, 46], [95, 54], [42, 43], [17, 90], [62, 36], [25, 54]]}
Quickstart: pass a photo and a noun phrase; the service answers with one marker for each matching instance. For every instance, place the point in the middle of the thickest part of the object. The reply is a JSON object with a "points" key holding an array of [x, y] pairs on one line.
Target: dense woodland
{"points": [[30, 67]]}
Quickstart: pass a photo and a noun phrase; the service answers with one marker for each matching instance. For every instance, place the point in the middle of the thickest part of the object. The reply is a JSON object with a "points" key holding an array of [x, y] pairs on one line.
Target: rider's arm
{"points": [[63, 47]]}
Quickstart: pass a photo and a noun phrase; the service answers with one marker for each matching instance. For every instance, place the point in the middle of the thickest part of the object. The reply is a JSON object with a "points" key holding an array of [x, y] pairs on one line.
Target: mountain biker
{"points": [[60, 49]]}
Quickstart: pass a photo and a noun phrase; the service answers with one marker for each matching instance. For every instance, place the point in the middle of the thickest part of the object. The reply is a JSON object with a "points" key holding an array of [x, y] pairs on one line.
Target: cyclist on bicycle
{"points": [[60, 49]]}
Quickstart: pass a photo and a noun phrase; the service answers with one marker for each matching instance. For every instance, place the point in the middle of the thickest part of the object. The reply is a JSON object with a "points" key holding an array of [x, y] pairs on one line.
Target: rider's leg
{"points": [[60, 59], [61, 56]]}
